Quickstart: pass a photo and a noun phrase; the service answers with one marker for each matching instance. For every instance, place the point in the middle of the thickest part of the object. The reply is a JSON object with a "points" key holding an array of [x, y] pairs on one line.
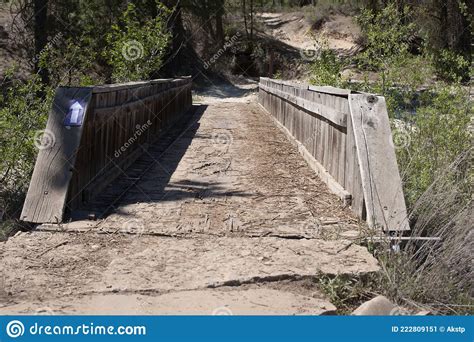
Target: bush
{"points": [[71, 62], [386, 34], [137, 45], [24, 108], [326, 70], [438, 136], [450, 66]]}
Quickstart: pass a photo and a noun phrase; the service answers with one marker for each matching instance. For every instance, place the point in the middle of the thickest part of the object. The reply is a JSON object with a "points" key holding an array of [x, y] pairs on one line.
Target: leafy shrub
{"points": [[386, 34], [450, 66], [22, 114], [326, 69], [137, 45], [439, 135], [71, 62]]}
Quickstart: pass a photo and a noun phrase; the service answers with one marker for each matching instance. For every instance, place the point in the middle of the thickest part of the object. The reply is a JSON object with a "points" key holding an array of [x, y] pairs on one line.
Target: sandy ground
{"points": [[228, 219], [340, 32]]}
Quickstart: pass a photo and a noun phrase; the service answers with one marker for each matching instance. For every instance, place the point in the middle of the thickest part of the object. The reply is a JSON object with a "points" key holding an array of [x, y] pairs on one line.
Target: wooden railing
{"points": [[346, 138], [92, 135]]}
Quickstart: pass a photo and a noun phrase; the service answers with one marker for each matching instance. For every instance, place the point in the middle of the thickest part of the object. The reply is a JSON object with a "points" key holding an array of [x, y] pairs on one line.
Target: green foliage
{"points": [[400, 83], [342, 291], [437, 131], [71, 62], [136, 46], [439, 134], [326, 70], [386, 34], [22, 114], [451, 66]]}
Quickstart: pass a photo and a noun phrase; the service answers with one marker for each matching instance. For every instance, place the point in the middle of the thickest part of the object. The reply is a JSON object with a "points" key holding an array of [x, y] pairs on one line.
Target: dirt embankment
{"points": [[340, 31]]}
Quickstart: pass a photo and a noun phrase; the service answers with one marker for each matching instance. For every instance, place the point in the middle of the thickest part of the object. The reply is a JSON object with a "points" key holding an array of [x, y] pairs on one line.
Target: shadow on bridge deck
{"points": [[226, 170]]}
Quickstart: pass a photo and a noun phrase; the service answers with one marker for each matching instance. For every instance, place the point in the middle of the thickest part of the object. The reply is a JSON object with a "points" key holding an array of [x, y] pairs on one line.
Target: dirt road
{"points": [[227, 219]]}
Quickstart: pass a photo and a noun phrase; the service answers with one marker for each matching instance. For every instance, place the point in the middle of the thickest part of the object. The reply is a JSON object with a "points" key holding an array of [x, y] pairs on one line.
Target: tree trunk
{"points": [[244, 13], [219, 23], [40, 36], [251, 22]]}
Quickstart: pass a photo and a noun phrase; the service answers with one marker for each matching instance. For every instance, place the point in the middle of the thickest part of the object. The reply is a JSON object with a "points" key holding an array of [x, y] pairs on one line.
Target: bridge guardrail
{"points": [[92, 135], [346, 138]]}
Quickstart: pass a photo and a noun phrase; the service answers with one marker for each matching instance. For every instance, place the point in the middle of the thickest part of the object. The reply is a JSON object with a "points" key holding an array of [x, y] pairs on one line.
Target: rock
{"points": [[350, 234], [378, 306], [424, 313]]}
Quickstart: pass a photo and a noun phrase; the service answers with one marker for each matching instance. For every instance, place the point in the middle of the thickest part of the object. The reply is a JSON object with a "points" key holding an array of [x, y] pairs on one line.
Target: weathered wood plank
{"points": [[331, 114], [52, 174], [330, 90], [381, 181]]}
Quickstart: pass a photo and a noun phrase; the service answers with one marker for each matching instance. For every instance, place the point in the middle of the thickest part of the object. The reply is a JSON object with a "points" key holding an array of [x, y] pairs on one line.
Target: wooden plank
{"points": [[330, 90], [46, 197], [331, 114], [131, 85], [137, 102], [323, 174], [353, 182], [341, 149], [381, 180]]}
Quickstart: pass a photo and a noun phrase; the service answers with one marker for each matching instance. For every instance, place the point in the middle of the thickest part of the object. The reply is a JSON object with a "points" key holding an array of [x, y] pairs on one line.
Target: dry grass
{"points": [[437, 275]]}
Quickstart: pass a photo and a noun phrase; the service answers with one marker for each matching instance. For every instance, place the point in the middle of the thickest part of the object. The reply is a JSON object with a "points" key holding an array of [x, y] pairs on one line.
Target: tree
{"points": [[210, 14], [136, 46], [40, 35]]}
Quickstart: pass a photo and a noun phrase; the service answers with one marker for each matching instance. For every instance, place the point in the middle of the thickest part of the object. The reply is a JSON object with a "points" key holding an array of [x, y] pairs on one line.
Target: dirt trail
{"points": [[227, 219], [340, 32]]}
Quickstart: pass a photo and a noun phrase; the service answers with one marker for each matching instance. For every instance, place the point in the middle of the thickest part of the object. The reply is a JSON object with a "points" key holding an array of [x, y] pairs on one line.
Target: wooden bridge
{"points": [[148, 203], [344, 137]]}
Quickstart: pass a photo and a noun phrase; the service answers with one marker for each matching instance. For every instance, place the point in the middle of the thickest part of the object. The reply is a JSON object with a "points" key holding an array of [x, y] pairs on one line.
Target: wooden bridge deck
{"points": [[231, 171]]}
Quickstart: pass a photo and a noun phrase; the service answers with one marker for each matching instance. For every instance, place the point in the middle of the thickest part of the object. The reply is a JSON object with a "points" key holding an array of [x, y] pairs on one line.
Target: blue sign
{"points": [[237, 328], [75, 115]]}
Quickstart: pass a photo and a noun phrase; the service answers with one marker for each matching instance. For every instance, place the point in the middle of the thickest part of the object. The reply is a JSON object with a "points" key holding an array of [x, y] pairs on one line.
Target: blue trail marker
{"points": [[75, 115]]}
